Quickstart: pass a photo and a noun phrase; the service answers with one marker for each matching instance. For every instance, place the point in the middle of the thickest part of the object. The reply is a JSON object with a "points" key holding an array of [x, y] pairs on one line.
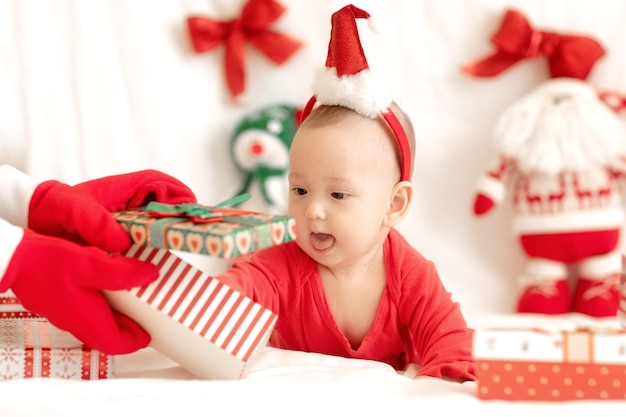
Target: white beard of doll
{"points": [[561, 126]]}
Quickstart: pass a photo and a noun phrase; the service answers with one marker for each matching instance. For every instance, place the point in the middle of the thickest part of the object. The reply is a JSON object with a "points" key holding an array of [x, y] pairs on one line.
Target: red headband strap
{"points": [[403, 143], [396, 128]]}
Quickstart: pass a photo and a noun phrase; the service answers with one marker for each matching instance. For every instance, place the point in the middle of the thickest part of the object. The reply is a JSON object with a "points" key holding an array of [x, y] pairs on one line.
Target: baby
{"points": [[350, 285]]}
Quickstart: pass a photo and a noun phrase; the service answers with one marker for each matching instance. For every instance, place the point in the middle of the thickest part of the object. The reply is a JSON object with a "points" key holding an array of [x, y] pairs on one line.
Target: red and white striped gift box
{"points": [[34, 348], [210, 329]]}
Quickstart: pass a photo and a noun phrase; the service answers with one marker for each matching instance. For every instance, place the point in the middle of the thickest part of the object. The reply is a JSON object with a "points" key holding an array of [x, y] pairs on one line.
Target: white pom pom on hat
{"points": [[347, 80], [376, 24]]}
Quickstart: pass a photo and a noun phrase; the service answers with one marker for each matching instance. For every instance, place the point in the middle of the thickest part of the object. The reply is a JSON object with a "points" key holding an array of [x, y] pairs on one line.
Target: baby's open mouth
{"points": [[322, 241]]}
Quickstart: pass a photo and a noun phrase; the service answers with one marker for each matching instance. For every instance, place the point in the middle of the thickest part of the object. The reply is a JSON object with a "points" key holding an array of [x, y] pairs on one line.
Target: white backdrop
{"points": [[99, 87]]}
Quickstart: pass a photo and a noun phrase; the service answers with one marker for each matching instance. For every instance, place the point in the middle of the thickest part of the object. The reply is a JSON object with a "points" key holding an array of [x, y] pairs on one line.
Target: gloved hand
{"points": [[82, 213], [61, 281]]}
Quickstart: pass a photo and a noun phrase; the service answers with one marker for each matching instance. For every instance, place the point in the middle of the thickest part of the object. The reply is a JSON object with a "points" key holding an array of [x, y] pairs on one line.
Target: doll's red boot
{"points": [[597, 298], [550, 297]]}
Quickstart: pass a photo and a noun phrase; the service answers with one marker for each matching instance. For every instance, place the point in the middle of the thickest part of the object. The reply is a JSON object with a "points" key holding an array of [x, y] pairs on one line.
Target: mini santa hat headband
{"points": [[347, 81], [568, 55]]}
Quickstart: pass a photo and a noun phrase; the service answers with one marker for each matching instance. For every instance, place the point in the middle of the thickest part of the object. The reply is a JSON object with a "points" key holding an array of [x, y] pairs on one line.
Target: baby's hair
{"points": [[326, 115]]}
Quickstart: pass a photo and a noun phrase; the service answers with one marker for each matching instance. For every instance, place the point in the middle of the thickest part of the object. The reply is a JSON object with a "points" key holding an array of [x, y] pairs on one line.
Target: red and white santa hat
{"points": [[347, 81]]}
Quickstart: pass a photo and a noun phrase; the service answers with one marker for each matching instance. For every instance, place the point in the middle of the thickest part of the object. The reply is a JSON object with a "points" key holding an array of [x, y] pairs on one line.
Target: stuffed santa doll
{"points": [[561, 151], [59, 250]]}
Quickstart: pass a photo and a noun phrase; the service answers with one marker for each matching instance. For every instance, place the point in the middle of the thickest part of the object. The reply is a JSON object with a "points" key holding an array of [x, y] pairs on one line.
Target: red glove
{"points": [[61, 281], [482, 204], [82, 213], [126, 191]]}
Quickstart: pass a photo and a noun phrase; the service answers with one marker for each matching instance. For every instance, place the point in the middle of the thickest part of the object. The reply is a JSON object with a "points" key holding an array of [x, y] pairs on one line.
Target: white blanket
{"points": [[281, 383]]}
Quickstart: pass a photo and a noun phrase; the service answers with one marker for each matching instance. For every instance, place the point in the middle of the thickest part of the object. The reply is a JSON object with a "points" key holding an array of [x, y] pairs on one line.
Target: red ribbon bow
{"points": [[253, 26], [568, 55]]}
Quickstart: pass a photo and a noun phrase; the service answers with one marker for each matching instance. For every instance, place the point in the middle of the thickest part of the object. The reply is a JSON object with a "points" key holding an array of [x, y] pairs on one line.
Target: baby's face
{"points": [[340, 190]]}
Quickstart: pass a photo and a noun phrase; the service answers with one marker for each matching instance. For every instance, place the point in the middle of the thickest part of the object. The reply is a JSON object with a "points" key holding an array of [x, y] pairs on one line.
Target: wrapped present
{"points": [[214, 231], [621, 311], [32, 348], [210, 329], [551, 364], [11, 307]]}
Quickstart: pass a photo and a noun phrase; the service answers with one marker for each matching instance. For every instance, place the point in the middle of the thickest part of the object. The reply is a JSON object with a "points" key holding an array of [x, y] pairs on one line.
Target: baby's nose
{"points": [[315, 210]]}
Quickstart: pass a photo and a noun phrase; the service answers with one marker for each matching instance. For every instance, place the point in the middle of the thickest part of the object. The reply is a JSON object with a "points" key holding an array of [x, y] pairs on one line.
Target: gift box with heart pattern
{"points": [[230, 237]]}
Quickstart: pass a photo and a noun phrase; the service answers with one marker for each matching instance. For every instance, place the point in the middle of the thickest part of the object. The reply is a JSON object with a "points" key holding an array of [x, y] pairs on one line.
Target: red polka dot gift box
{"points": [[552, 363], [207, 230]]}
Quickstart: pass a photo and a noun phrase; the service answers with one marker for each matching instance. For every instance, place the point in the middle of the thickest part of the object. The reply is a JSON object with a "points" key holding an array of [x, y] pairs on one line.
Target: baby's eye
{"points": [[299, 191], [339, 196]]}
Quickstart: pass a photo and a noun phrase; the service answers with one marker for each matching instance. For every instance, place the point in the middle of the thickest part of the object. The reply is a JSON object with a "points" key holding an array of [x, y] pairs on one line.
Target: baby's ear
{"points": [[399, 203]]}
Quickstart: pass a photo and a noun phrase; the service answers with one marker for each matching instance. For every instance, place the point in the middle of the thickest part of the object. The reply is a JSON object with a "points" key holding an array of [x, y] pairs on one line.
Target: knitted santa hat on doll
{"points": [[561, 150], [566, 109], [347, 81]]}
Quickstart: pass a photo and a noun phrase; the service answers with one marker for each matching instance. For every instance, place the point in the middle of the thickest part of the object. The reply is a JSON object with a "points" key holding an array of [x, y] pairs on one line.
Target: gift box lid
{"points": [[574, 339], [224, 233], [12, 308]]}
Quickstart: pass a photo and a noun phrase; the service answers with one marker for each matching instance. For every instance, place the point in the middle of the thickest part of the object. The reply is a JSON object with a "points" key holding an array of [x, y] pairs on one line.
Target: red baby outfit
{"points": [[416, 321]]}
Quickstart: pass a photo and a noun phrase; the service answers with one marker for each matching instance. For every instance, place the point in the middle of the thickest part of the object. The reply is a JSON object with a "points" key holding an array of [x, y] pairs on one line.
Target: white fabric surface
{"points": [[281, 383], [99, 87]]}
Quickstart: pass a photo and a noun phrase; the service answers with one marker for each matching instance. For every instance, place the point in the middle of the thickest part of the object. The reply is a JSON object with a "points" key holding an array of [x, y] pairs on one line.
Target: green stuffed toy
{"points": [[259, 147]]}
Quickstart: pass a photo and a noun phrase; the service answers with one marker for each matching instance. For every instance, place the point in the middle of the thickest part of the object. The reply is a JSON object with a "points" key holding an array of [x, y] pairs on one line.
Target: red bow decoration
{"points": [[253, 26], [198, 213], [568, 55]]}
